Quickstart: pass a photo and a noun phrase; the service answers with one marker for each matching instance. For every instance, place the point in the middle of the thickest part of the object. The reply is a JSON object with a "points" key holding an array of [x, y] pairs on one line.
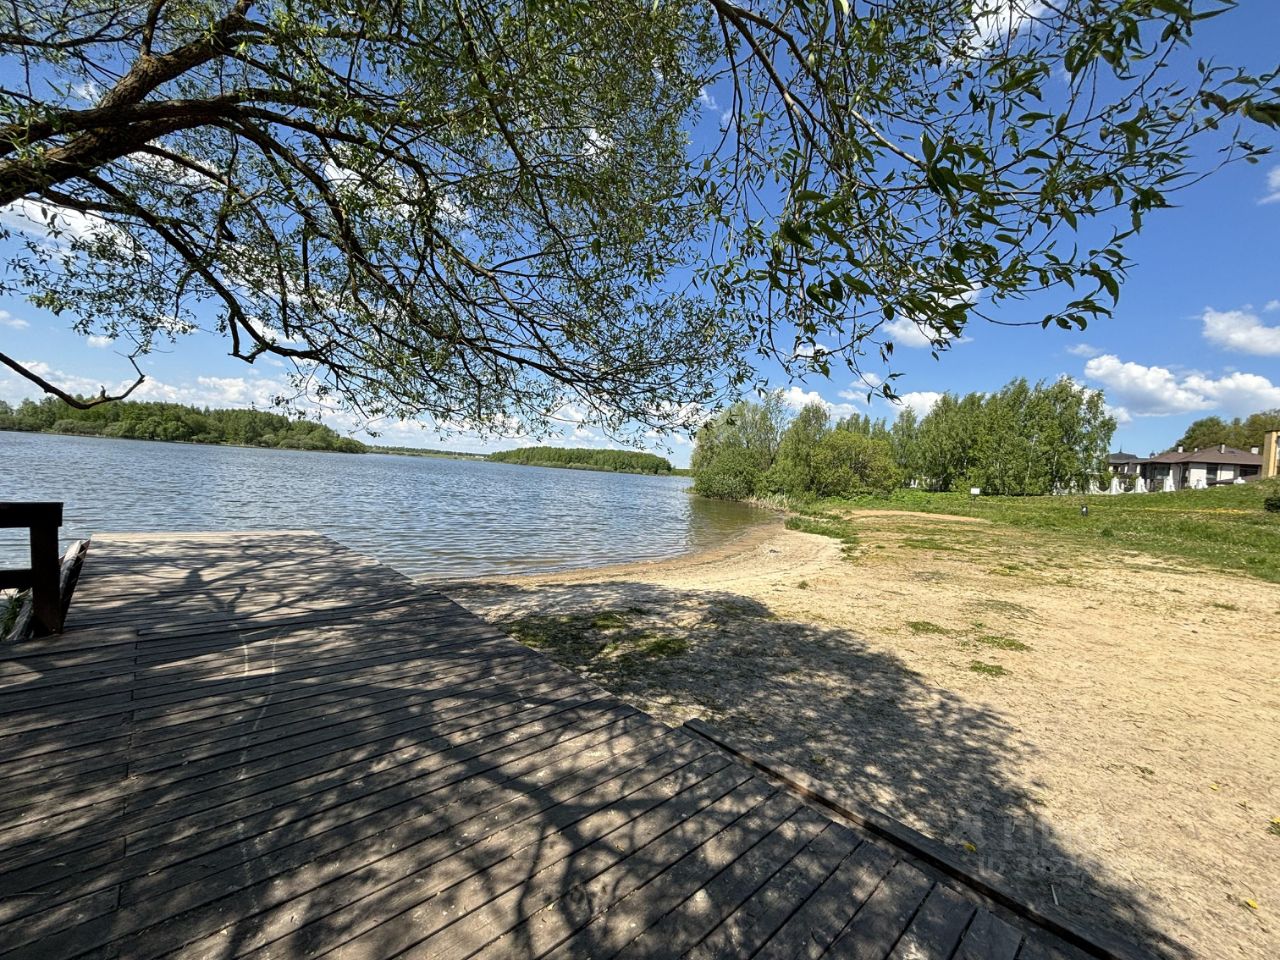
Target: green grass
{"points": [[607, 641], [657, 646], [826, 525], [1224, 606], [928, 543], [924, 626], [1001, 643], [1224, 527], [988, 669]]}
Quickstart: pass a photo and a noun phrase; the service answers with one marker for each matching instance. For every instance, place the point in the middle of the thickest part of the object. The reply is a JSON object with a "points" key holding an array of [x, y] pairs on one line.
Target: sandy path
{"points": [[1102, 730]]}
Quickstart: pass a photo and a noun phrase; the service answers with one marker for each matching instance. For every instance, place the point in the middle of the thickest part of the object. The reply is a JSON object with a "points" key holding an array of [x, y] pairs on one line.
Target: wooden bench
{"points": [[42, 578]]}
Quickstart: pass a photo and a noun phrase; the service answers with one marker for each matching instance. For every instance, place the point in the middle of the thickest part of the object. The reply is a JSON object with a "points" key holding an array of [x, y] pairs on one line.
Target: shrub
{"points": [[1272, 503], [733, 474], [846, 464]]}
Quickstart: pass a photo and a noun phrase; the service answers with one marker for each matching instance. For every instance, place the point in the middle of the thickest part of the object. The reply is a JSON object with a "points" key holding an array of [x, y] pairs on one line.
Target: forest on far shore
{"points": [[583, 458], [149, 420], [181, 423]]}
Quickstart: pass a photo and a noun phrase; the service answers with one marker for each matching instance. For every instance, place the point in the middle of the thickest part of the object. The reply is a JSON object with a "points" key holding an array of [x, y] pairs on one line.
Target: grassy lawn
{"points": [[1224, 527]]}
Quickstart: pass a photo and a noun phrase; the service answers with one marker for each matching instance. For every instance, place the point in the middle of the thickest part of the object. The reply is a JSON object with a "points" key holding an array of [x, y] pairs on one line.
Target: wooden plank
{"points": [[757, 919], [1037, 946], [982, 881], [989, 938], [227, 778], [147, 755], [463, 665], [314, 899], [937, 927], [46, 669], [323, 826], [46, 567], [441, 894], [15, 514], [69, 574], [15, 854], [347, 800], [230, 689], [576, 905], [540, 879], [811, 929], [690, 922], [630, 918], [434, 865], [16, 579], [881, 920], [470, 669]]}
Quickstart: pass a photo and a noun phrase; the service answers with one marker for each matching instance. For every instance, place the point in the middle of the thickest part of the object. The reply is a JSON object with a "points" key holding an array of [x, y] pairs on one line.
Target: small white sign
{"points": [[975, 491]]}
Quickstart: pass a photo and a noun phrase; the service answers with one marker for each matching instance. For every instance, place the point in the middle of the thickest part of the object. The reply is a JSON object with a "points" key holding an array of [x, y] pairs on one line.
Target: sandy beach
{"points": [[1101, 730]]}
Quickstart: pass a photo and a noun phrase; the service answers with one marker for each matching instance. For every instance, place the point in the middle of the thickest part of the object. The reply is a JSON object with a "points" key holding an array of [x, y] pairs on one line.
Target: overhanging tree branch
{"points": [[69, 399]]}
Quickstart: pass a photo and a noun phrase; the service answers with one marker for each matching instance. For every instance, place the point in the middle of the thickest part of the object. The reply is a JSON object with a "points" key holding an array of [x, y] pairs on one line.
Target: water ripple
{"points": [[427, 517]]}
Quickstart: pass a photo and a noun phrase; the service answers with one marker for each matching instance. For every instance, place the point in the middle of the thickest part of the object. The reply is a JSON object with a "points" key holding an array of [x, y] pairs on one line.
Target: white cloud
{"points": [[1237, 393], [7, 319], [1272, 306], [236, 391], [857, 392], [595, 144], [806, 351], [337, 175], [1241, 330], [100, 342], [1141, 391], [1273, 186], [206, 391], [907, 333], [706, 100], [921, 401], [797, 399], [87, 91], [995, 21], [1085, 350], [39, 218]]}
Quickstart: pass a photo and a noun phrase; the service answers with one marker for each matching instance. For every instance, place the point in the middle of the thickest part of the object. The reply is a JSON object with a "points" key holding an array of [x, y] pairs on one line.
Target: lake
{"points": [[427, 517]]}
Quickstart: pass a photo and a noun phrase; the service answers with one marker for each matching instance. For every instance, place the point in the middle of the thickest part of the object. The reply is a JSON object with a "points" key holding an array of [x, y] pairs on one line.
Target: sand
{"points": [[1102, 730]]}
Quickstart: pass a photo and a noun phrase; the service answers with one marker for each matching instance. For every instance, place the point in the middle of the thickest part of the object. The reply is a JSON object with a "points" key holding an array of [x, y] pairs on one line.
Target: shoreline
{"points": [[752, 535]]}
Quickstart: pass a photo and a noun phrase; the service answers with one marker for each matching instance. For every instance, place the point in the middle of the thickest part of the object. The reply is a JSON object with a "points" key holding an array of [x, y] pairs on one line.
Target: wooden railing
{"points": [[43, 577]]}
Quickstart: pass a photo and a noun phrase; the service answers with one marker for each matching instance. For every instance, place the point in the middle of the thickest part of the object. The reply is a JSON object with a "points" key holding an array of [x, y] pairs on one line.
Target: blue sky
{"points": [[1196, 332]]}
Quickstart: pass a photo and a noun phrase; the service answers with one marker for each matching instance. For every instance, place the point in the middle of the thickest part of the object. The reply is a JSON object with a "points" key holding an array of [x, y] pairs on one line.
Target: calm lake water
{"points": [[427, 517]]}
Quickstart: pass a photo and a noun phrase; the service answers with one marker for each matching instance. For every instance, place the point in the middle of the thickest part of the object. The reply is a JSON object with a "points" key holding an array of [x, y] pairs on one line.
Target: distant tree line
{"points": [[1022, 440], [424, 452], [1241, 434], [135, 420], [617, 461]]}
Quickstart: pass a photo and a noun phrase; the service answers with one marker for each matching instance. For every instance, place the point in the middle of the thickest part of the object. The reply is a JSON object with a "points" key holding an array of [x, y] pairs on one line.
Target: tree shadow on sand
{"points": [[819, 699]]}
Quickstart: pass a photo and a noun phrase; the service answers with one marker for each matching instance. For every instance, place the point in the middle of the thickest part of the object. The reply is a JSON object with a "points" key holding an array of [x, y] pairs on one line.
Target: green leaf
{"points": [[927, 146]]}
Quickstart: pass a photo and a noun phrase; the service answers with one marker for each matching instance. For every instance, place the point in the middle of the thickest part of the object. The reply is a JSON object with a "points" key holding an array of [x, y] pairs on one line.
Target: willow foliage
{"points": [[483, 213]]}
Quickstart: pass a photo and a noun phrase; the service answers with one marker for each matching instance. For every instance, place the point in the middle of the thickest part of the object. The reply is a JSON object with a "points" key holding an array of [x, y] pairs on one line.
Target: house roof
{"points": [[1121, 457], [1218, 454]]}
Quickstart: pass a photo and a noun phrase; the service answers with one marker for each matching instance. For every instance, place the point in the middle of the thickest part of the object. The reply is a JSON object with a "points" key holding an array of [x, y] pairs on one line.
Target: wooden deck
{"points": [[269, 746]]}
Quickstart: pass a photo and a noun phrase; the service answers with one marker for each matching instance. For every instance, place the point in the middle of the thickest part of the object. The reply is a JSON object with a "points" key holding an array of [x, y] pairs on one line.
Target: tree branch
{"points": [[67, 398]]}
